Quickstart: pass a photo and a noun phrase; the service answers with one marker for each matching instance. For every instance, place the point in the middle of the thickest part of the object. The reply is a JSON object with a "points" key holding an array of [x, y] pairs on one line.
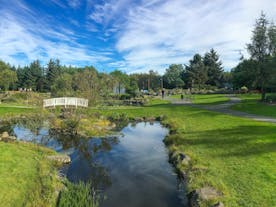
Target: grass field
{"points": [[251, 104], [209, 99], [26, 177], [204, 99], [235, 155], [13, 110]]}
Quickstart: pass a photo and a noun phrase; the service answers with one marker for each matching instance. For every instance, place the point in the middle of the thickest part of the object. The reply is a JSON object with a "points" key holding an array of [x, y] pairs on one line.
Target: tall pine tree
{"points": [[214, 68], [262, 50]]}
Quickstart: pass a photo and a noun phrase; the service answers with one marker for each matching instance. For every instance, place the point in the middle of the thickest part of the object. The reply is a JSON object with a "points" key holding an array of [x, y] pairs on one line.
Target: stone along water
{"points": [[130, 170]]}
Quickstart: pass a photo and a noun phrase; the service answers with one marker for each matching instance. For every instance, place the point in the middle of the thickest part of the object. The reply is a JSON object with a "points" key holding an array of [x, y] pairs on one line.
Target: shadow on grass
{"points": [[237, 141]]}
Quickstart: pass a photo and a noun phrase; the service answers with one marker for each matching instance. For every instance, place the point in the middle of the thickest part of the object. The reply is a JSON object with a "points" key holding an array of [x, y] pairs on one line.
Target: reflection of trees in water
{"points": [[87, 168]]}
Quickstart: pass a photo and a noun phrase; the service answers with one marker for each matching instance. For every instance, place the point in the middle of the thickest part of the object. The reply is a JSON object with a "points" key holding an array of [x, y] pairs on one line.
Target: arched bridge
{"points": [[66, 102]]}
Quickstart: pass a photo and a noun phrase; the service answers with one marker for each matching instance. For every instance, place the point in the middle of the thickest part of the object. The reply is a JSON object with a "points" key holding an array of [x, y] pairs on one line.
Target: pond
{"points": [[130, 169]]}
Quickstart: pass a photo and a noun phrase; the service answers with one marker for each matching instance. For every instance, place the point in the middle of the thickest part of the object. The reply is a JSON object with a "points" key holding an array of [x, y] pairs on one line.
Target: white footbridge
{"points": [[66, 102]]}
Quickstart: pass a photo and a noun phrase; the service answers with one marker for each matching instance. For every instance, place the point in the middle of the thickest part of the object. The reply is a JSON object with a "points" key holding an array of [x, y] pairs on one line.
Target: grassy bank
{"points": [[251, 104], [234, 155], [26, 177]]}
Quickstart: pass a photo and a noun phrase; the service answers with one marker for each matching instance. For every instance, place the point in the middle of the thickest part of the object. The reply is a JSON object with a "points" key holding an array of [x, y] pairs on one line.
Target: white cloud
{"points": [[17, 38], [172, 31], [74, 3], [109, 10]]}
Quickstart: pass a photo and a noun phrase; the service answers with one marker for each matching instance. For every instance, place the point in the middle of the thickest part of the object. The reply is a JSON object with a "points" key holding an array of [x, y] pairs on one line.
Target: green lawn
{"points": [[251, 104], [234, 155], [26, 177], [156, 101], [209, 99], [204, 99], [9, 110]]}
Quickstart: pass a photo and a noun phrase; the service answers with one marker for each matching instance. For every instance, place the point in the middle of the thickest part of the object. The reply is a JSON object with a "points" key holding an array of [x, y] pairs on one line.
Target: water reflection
{"points": [[131, 169]]}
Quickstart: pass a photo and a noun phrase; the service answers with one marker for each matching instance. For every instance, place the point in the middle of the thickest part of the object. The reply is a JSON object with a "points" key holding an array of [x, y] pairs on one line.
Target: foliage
{"points": [[173, 76], [150, 81], [244, 89], [245, 74], [7, 76]]}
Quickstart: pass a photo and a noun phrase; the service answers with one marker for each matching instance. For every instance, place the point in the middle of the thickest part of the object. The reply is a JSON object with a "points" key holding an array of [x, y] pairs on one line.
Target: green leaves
{"points": [[7, 76]]}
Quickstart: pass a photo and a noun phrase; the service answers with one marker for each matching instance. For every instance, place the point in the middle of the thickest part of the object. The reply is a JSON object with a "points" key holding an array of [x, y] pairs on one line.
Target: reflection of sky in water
{"points": [[132, 170]]}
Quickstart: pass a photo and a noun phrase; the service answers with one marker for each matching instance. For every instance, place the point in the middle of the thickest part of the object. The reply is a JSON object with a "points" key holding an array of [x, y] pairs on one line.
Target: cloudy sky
{"points": [[133, 36]]}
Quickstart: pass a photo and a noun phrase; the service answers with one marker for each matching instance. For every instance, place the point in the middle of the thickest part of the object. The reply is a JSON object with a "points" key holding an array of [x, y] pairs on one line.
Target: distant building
{"points": [[119, 89]]}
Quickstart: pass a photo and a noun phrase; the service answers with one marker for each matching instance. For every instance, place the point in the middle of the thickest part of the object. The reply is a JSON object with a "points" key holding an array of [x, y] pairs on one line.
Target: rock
{"points": [[179, 157], [182, 174], [5, 135], [185, 159], [174, 157], [138, 119], [208, 193], [12, 137], [218, 204], [203, 194], [63, 159]]}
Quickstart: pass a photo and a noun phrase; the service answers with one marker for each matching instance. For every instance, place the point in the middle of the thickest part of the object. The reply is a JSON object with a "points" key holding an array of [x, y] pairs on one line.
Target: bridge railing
{"points": [[65, 101]]}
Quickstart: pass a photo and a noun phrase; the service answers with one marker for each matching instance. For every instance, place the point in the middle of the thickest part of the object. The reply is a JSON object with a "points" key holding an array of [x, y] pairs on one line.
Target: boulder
{"points": [[138, 119], [12, 137], [62, 159], [5, 135], [185, 159]]}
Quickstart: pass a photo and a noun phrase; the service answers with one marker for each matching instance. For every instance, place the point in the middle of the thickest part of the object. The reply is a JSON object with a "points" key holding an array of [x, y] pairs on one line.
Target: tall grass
{"points": [[79, 194]]}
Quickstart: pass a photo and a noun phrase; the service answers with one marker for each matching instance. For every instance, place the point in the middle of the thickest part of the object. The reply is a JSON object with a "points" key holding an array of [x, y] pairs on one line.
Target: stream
{"points": [[130, 169]]}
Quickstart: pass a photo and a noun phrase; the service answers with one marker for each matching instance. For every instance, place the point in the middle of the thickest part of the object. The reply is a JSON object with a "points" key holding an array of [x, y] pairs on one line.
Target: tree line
{"points": [[68, 80]]}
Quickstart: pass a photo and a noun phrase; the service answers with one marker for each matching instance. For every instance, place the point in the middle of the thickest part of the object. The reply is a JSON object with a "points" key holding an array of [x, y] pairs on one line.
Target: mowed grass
{"points": [[251, 104], [26, 177], [209, 99], [13, 110], [235, 155]]}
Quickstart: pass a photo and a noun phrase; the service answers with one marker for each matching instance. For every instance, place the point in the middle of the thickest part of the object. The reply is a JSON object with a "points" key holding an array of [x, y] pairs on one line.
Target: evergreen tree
{"points": [[214, 68], [53, 71], [261, 49], [196, 71]]}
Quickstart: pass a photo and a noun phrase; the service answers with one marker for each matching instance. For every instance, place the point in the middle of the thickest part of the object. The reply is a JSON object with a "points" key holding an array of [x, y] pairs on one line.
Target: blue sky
{"points": [[133, 36]]}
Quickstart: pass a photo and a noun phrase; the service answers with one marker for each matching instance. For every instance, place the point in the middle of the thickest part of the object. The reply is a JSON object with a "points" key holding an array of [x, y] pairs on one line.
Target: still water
{"points": [[130, 169]]}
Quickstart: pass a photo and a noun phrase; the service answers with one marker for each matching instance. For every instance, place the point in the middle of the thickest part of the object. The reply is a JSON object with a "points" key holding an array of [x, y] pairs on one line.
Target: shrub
{"points": [[244, 89], [271, 98]]}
